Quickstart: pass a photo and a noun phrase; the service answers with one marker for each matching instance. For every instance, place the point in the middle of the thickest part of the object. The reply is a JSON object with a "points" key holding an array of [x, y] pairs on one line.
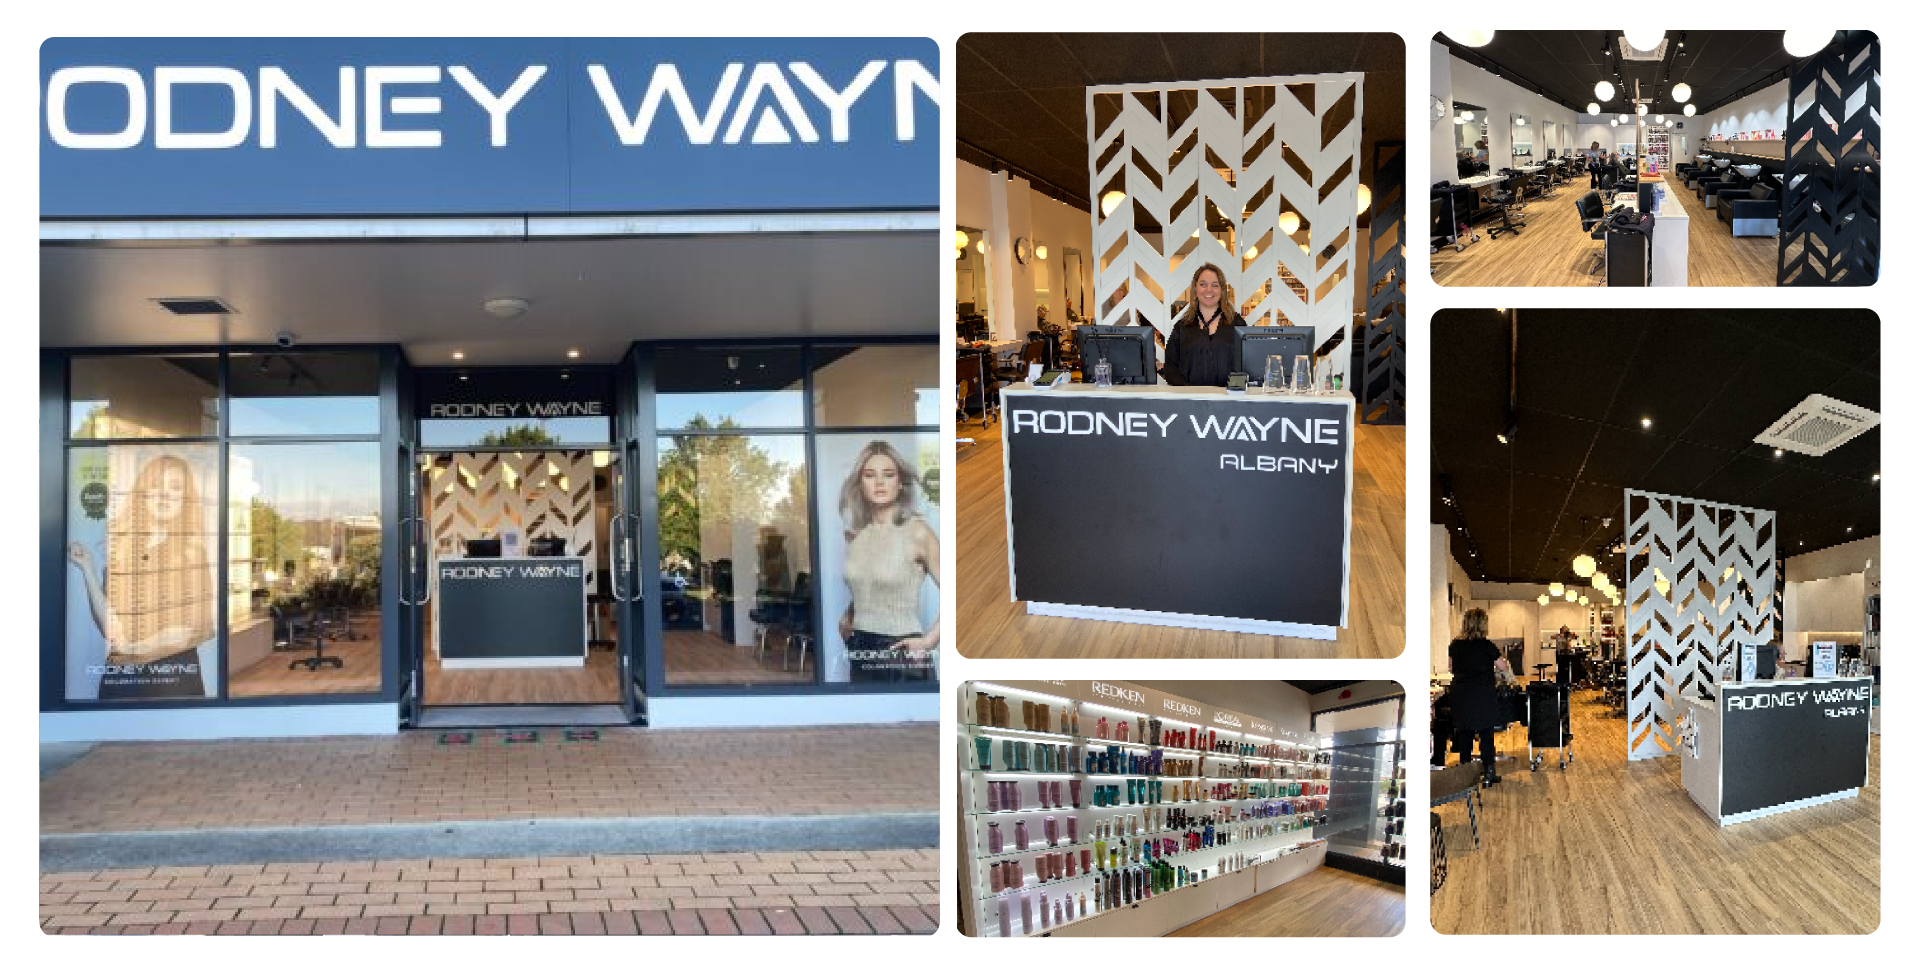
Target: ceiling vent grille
{"points": [[1627, 52], [195, 306], [1818, 424]]}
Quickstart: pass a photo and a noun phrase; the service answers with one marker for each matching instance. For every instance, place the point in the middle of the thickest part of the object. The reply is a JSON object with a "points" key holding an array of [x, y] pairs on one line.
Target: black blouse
{"points": [[1196, 359]]}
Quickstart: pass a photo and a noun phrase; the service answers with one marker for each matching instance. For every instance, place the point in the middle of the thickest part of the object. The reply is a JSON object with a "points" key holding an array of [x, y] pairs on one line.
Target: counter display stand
{"points": [[1112, 831]]}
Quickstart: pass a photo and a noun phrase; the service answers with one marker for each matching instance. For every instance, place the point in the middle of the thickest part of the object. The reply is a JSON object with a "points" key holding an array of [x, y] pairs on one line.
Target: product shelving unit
{"points": [[1261, 834]]}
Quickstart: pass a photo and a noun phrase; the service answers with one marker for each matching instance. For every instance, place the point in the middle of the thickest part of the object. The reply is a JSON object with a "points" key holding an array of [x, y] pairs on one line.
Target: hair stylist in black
{"points": [[1476, 710], [1200, 350]]}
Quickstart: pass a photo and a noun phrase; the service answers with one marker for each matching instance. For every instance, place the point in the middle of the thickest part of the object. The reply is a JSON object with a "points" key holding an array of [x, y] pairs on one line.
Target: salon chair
{"points": [[1593, 219], [1543, 184], [1711, 190], [1757, 214], [1504, 199], [1015, 371]]}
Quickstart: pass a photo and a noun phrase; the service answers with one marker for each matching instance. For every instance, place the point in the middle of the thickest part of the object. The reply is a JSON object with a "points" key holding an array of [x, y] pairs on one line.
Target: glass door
{"points": [[410, 527]]}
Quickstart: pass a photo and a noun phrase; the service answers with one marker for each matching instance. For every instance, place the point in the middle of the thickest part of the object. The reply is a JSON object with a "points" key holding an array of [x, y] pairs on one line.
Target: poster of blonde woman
{"points": [[880, 552], [141, 564]]}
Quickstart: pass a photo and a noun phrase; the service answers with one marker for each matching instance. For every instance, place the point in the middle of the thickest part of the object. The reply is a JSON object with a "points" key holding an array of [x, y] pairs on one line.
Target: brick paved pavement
{"points": [[864, 892], [412, 777]]}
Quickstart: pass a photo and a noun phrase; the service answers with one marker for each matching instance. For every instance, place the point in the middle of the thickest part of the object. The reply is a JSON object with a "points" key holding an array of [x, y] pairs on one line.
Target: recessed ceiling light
{"points": [[573, 354], [1646, 421], [459, 355], [463, 376], [1876, 478], [1778, 452]]}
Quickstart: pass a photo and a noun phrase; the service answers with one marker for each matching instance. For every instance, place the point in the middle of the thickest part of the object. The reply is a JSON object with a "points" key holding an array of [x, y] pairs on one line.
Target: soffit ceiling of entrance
{"points": [[1709, 380], [596, 296]]}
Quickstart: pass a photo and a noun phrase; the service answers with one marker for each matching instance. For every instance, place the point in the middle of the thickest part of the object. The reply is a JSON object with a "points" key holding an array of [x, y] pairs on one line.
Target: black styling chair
{"points": [[1505, 197], [1593, 219]]}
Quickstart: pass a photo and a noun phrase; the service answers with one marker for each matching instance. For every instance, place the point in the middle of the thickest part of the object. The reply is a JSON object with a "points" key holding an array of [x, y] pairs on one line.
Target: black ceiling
{"points": [[1022, 96], [1321, 686], [1710, 381], [1720, 65]]}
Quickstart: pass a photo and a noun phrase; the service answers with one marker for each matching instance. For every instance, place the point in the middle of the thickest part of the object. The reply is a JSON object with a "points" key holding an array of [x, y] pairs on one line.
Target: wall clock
{"points": [[1022, 250]]}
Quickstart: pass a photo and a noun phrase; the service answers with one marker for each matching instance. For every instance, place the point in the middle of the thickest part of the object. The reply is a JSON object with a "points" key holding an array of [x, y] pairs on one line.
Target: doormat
{"points": [[582, 736], [456, 737], [523, 736]]}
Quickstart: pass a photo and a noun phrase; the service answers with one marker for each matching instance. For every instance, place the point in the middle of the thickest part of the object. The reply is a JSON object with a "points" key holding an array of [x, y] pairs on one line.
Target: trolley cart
{"points": [[1547, 722]]}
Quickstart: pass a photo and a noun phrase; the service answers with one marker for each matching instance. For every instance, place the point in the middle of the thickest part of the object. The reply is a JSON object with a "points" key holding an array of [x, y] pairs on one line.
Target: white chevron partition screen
{"points": [[1258, 177], [1700, 581]]}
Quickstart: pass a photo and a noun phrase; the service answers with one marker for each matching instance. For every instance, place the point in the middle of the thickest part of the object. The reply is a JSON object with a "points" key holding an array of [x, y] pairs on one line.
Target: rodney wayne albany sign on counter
{"points": [[1161, 504], [1263, 430]]}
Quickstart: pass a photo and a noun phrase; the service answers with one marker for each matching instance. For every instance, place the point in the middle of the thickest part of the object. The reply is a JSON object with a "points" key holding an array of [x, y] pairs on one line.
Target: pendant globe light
{"points": [[1644, 39], [1603, 90], [1593, 109], [1470, 38], [1659, 118], [959, 239], [1584, 565], [1363, 197], [1289, 222], [1556, 588], [1806, 43], [1682, 92], [1640, 110], [1111, 200], [1543, 599], [1623, 118], [1599, 581], [1613, 123], [1466, 115], [1584, 601], [1688, 110]]}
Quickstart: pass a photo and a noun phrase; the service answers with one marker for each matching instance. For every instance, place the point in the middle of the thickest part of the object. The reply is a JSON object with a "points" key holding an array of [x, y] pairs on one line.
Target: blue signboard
{"points": [[446, 127]]}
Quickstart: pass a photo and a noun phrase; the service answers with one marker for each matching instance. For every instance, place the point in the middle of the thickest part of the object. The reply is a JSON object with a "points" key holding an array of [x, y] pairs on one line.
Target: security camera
{"points": [[284, 339]]}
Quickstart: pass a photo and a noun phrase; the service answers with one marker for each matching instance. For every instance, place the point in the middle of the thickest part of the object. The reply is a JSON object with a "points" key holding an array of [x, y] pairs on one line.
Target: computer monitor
{"points": [[1128, 349], [483, 548], [1765, 657], [1253, 345], [547, 547]]}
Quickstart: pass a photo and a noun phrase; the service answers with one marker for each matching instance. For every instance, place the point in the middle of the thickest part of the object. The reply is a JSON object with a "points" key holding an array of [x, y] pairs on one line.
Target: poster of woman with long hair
{"points": [[141, 588], [881, 550]]}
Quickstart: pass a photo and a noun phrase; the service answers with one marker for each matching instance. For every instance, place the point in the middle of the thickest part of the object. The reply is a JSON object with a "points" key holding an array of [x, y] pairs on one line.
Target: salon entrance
{"points": [[522, 598]]}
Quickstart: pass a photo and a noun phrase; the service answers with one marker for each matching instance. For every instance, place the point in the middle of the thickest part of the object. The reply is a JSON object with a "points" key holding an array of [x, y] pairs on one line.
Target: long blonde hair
{"points": [[1227, 314], [1473, 626], [159, 571]]}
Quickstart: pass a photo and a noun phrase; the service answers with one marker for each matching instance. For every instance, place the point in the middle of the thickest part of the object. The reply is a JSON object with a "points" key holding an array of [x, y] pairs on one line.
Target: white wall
{"points": [[1826, 593], [1514, 612], [1858, 556], [1756, 111], [1008, 208], [1501, 100], [1444, 620], [1440, 132]]}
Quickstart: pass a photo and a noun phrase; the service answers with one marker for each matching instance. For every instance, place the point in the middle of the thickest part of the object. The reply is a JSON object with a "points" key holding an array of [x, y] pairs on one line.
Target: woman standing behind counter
{"points": [[1200, 351]]}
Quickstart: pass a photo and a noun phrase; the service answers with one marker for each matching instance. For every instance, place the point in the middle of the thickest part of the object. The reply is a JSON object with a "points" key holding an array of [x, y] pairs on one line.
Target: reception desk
{"points": [[510, 612], [1768, 746], [1180, 506], [1667, 265]]}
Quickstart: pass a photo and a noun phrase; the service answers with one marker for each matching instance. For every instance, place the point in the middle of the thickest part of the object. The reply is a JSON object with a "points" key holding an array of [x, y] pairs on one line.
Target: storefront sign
{"points": [[397, 127], [1192, 497], [1787, 741], [515, 393]]}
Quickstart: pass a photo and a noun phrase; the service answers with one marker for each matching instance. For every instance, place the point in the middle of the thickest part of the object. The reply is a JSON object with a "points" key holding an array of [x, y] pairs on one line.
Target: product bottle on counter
{"points": [[1005, 906]]}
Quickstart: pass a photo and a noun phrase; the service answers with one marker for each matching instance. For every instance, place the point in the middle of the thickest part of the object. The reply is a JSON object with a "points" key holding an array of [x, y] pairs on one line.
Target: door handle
{"points": [[618, 559]]}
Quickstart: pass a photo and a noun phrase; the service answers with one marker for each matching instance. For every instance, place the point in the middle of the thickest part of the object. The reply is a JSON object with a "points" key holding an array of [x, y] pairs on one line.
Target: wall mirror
{"points": [[970, 283], [1469, 138], [1523, 131], [1073, 286], [1549, 139]]}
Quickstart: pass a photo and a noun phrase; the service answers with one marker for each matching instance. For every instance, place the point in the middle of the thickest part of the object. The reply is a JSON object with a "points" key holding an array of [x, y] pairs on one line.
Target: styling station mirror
{"points": [[1073, 283], [1470, 138], [1522, 140], [1549, 139], [970, 283]]}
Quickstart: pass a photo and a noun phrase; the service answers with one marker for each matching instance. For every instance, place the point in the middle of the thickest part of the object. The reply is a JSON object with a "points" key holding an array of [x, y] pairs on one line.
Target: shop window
{"points": [[142, 569], [880, 385], [736, 581], [878, 519], [303, 569], [302, 393], [143, 397], [729, 387]]}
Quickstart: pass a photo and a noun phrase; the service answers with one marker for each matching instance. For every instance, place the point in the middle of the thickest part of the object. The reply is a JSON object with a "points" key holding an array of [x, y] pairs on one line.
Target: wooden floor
{"points": [[597, 682], [1552, 250], [698, 657], [1609, 847], [1324, 903], [992, 626], [270, 676]]}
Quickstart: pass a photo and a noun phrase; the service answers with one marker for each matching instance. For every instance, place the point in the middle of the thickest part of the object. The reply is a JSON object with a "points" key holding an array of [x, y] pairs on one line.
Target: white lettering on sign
{"points": [[1083, 423], [502, 410], [1112, 692], [1260, 728], [1225, 719], [505, 571], [1185, 709], [1266, 464], [768, 109], [1794, 698]]}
